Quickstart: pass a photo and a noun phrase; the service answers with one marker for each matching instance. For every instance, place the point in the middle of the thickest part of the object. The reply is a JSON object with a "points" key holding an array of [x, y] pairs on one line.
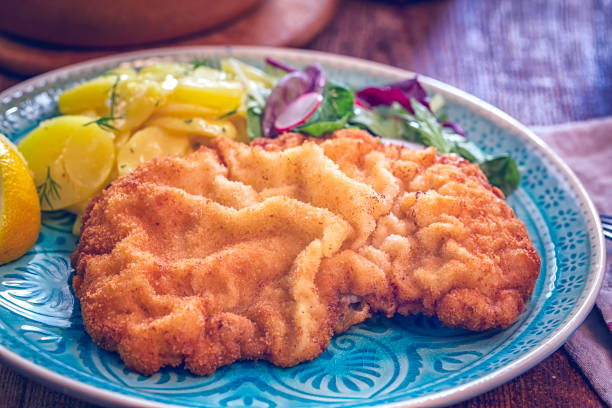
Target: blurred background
{"points": [[543, 62], [516, 54]]}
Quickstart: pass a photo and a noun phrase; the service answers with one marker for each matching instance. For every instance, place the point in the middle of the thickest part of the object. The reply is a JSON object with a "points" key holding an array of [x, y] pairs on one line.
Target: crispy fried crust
{"points": [[265, 251]]}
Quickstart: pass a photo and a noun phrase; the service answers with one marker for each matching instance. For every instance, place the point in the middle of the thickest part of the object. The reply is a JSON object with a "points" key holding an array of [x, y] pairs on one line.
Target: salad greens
{"points": [[423, 127], [288, 89], [333, 114], [400, 110], [399, 92], [502, 172], [254, 112]]}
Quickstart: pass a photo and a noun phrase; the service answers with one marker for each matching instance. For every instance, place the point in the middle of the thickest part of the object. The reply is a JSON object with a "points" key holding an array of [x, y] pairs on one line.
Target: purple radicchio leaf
{"points": [[455, 126], [280, 65], [401, 92], [289, 88]]}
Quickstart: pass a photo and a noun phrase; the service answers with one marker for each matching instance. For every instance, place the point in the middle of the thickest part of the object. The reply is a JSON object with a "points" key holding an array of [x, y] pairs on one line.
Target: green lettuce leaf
{"points": [[333, 113], [254, 112]]}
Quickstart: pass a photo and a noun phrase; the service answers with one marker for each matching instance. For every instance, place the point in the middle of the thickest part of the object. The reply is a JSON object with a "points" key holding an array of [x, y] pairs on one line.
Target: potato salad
{"points": [[112, 123]]}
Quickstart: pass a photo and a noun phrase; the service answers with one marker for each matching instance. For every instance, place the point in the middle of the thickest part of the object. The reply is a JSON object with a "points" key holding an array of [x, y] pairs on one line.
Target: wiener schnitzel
{"points": [[265, 251]]}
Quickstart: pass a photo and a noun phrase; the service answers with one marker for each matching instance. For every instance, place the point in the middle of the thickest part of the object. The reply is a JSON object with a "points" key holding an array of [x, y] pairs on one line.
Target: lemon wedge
{"points": [[19, 206]]}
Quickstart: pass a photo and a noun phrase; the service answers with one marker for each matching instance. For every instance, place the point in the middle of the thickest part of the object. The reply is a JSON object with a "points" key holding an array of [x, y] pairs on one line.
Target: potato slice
{"points": [[91, 95], [186, 111], [210, 73], [160, 71], [216, 94], [88, 156], [147, 144], [136, 101], [70, 158], [194, 127]]}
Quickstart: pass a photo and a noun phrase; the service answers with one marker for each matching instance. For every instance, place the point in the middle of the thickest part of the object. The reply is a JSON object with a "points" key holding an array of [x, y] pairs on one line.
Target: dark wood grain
{"points": [[7, 80], [543, 62]]}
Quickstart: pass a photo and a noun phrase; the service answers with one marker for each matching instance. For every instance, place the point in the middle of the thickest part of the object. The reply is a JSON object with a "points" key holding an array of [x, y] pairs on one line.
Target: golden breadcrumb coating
{"points": [[265, 251]]}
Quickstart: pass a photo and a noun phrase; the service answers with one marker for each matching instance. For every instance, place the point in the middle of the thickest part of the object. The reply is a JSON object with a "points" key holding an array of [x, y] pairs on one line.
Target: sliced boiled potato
{"points": [[118, 120], [147, 144], [91, 95], [222, 95], [75, 161], [94, 95], [186, 111], [56, 190], [78, 208], [88, 156], [121, 138], [45, 143], [208, 128], [209, 73], [242, 108], [78, 225], [89, 113], [136, 101], [160, 71], [166, 75], [240, 124]]}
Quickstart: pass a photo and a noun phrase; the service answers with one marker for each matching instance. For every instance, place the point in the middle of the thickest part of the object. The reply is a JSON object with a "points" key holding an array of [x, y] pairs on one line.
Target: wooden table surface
{"points": [[543, 62]]}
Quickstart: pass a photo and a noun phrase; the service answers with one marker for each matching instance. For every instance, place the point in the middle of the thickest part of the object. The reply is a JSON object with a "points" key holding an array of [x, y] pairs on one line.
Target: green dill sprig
{"points": [[104, 122], [229, 113], [48, 189], [113, 95]]}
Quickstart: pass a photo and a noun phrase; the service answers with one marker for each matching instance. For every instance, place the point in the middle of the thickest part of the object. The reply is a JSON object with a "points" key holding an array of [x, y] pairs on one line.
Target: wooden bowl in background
{"points": [[114, 23]]}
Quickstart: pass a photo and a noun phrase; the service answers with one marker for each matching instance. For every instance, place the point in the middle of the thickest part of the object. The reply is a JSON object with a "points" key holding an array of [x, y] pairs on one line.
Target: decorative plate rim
{"points": [[455, 394]]}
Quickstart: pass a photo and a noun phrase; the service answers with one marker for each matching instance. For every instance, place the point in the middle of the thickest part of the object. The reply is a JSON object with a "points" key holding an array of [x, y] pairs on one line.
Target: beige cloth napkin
{"points": [[587, 148]]}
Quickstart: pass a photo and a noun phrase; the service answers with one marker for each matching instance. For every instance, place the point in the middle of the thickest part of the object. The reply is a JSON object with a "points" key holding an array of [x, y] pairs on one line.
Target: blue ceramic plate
{"points": [[404, 361]]}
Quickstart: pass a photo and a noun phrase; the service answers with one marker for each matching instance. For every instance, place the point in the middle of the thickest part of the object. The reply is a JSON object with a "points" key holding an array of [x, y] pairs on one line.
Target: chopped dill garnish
{"points": [[226, 114], [188, 121], [48, 189]]}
